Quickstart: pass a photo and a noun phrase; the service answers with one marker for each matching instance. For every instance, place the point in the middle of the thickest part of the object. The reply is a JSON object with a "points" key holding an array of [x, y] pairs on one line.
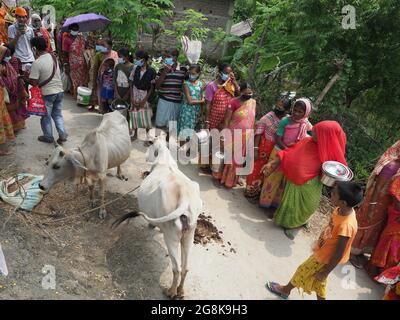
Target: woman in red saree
{"points": [[387, 252], [391, 278], [74, 46], [16, 106], [240, 118], [218, 96], [372, 214], [301, 166], [264, 143]]}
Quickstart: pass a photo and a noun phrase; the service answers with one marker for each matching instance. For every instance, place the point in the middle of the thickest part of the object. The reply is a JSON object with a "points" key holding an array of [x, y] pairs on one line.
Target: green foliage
{"points": [[192, 27], [303, 39], [128, 16]]}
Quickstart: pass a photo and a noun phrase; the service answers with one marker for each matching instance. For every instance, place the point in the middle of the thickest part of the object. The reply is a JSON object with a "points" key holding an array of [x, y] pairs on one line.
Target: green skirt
{"points": [[298, 203]]}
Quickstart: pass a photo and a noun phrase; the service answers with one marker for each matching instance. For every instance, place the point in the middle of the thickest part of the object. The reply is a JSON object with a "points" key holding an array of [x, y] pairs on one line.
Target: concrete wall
{"points": [[218, 12]]}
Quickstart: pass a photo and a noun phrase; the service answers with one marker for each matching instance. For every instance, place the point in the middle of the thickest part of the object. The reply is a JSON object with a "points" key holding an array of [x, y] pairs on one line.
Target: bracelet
{"points": [[255, 147], [373, 203]]}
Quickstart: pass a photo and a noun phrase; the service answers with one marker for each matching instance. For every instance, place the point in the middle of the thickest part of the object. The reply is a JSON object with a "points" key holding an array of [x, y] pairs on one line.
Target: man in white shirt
{"points": [[20, 35], [53, 93]]}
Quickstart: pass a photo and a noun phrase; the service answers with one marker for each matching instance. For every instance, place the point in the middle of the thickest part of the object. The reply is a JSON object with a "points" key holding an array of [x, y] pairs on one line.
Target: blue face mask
{"points": [[121, 60], [101, 49], [193, 77], [224, 76], [7, 59], [169, 61], [139, 63]]}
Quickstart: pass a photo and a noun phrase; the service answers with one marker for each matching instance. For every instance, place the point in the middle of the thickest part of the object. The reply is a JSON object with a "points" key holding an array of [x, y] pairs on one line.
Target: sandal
{"points": [[271, 287]]}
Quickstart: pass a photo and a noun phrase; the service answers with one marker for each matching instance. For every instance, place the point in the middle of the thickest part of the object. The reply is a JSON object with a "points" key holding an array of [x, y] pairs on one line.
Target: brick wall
{"points": [[217, 12]]}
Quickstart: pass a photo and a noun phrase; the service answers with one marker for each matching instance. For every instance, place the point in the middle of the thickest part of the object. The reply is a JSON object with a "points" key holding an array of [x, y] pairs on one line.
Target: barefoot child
{"points": [[332, 248], [107, 86]]}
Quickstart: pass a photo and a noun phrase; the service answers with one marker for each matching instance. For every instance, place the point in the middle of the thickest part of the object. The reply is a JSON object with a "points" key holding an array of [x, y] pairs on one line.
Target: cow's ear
{"points": [[75, 162]]}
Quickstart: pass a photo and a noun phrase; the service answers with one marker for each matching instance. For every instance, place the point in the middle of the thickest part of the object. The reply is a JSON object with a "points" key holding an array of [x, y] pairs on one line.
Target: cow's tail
{"points": [[181, 210], [125, 217]]}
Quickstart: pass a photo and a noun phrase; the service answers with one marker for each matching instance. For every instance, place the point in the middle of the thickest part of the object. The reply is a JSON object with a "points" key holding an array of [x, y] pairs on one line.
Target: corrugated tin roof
{"points": [[242, 28]]}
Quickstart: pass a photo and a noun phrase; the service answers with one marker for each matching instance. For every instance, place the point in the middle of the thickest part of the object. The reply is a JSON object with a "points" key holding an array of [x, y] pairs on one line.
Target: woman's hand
{"points": [[266, 170]]}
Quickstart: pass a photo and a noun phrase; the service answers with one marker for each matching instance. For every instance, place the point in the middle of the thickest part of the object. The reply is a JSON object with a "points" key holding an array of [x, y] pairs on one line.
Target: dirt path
{"points": [[94, 262]]}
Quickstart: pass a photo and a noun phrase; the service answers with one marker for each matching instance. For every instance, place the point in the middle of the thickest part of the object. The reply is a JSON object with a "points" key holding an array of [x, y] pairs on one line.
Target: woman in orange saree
{"points": [[240, 116], [372, 214]]}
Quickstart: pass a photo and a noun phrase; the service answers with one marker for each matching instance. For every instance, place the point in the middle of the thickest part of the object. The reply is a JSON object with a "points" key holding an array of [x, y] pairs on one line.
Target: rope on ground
{"points": [[90, 210]]}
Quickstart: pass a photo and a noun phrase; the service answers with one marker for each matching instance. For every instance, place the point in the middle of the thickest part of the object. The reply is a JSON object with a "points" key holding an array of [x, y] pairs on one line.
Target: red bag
{"points": [[36, 104]]}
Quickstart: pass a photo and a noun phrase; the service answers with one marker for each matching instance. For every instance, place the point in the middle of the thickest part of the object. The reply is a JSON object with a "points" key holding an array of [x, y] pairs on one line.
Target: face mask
{"points": [[139, 63], [279, 112], [7, 59], [194, 77], [169, 61], [74, 33], [101, 49], [36, 26], [247, 96], [121, 60], [224, 76]]}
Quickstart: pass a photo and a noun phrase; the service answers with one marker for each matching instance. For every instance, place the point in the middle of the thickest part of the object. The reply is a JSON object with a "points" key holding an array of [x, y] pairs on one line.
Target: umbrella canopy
{"points": [[87, 22]]}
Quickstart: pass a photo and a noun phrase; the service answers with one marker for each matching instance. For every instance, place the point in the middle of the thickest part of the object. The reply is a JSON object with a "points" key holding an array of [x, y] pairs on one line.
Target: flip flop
{"points": [[271, 288]]}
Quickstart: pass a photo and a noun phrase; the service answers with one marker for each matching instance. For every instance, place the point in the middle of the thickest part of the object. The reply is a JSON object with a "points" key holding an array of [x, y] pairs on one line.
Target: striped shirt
{"points": [[171, 88]]}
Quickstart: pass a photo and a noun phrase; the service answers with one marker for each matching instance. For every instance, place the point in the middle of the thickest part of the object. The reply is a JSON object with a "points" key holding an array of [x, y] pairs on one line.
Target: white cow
{"points": [[103, 148], [171, 201]]}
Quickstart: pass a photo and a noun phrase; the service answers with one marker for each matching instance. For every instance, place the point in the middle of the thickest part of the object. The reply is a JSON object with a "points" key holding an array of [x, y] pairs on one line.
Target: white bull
{"points": [[170, 200], [103, 148]]}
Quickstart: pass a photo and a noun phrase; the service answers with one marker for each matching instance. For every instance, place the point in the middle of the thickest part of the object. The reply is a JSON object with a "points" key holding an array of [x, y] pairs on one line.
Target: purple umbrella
{"points": [[87, 22]]}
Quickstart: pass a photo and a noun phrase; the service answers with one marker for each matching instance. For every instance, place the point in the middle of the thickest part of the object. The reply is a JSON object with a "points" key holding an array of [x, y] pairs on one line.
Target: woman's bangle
{"points": [[373, 203]]}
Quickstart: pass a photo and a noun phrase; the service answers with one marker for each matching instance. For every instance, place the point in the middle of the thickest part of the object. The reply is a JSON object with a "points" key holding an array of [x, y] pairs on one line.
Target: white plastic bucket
{"points": [[84, 95]]}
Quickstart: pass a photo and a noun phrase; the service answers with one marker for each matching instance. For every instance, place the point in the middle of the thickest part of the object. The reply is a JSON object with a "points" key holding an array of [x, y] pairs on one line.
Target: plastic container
{"points": [[84, 95]]}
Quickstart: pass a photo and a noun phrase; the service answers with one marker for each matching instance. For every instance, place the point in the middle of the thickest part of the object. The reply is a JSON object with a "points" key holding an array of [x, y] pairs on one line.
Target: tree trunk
{"points": [[328, 87], [253, 68]]}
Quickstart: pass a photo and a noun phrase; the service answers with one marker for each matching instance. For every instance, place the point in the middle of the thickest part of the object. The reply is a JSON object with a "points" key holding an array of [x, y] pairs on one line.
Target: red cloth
{"points": [[303, 162], [235, 104]]}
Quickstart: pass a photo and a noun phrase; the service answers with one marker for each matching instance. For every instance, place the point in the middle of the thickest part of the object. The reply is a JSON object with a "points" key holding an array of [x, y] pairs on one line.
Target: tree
{"points": [[128, 17], [303, 44]]}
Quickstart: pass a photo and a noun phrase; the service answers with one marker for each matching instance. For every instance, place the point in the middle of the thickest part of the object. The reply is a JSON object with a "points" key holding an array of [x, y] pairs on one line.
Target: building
{"points": [[218, 12]]}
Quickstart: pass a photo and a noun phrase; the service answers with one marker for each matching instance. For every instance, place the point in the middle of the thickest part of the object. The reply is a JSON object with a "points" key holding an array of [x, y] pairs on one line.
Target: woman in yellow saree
{"points": [[239, 119]]}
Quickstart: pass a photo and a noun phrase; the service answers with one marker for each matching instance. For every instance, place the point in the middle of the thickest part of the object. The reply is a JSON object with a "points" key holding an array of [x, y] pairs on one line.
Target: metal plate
{"points": [[336, 169]]}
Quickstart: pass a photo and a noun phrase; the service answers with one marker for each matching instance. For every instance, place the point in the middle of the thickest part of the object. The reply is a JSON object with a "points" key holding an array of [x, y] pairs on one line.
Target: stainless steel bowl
{"points": [[333, 171]]}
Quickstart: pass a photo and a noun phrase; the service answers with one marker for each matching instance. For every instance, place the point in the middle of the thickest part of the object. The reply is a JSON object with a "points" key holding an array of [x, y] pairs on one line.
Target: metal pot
{"points": [[217, 162], [333, 171], [121, 106]]}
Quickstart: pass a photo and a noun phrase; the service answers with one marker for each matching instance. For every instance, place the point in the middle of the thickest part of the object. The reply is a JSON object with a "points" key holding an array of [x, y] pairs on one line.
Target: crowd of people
{"points": [[288, 150]]}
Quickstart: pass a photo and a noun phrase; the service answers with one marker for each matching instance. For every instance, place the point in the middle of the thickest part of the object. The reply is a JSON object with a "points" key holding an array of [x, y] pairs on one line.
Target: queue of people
{"points": [[288, 150]]}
